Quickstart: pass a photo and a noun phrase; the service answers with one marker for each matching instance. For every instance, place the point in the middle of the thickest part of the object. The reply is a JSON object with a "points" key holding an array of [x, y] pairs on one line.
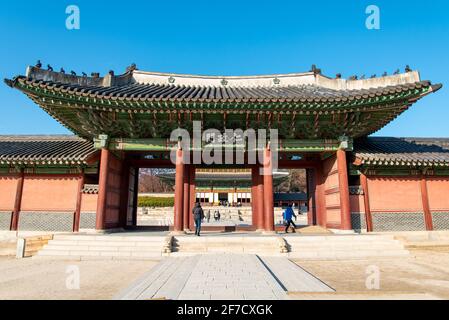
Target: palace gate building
{"points": [[123, 122]]}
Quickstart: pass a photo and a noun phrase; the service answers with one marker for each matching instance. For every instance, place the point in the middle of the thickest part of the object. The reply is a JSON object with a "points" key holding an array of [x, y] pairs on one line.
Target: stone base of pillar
{"points": [[107, 231], [268, 233]]}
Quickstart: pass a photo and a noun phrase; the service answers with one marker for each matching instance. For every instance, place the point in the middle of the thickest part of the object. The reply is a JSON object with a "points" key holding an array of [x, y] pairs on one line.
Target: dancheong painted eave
{"points": [[141, 104]]}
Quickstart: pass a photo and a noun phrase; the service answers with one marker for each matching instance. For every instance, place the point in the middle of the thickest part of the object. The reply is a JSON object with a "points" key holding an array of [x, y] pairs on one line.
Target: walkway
{"points": [[223, 277]]}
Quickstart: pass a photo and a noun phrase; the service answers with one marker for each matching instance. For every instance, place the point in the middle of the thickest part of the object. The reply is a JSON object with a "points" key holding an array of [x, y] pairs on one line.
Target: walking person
{"points": [[198, 216], [216, 215], [288, 215], [208, 216]]}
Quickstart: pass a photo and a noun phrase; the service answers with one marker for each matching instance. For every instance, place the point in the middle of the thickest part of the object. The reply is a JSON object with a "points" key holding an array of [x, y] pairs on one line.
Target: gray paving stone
{"points": [[211, 276]]}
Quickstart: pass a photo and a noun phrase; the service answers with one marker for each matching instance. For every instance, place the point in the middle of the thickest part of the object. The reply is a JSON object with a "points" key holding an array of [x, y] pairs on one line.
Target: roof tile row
{"points": [[182, 93], [48, 150], [402, 151]]}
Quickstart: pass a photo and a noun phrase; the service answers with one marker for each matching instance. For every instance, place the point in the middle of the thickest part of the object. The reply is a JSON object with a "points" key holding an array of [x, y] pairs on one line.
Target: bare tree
{"points": [[296, 182], [149, 182]]}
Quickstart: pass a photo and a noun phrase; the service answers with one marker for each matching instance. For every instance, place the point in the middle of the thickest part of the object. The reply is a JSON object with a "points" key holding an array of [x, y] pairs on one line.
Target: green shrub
{"points": [[156, 202]]}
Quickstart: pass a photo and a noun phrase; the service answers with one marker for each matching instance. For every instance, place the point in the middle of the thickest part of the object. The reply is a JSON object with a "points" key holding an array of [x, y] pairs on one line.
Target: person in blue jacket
{"points": [[288, 215]]}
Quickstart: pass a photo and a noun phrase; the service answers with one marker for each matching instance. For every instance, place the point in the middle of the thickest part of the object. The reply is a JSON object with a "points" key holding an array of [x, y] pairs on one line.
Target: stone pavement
{"points": [[222, 277]]}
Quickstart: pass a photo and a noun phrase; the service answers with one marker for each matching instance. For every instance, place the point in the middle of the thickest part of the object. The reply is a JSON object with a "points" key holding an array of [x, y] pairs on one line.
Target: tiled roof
{"points": [[45, 150], [136, 85], [140, 104], [208, 94], [402, 151]]}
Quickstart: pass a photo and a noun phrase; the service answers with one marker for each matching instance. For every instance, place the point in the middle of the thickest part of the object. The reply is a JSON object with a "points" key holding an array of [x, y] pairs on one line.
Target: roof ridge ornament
{"points": [[315, 70], [131, 67]]}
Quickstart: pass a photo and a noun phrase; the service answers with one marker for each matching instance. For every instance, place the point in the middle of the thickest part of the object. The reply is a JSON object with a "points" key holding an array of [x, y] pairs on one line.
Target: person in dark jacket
{"points": [[198, 216], [289, 213]]}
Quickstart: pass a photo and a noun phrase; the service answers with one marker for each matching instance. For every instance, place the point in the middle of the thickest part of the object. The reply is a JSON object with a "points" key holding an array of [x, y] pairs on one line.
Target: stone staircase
{"points": [[153, 247], [104, 247], [261, 245], [344, 247]]}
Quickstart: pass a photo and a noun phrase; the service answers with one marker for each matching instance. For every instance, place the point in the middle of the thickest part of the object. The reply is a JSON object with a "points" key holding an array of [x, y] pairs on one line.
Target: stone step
{"points": [[93, 258], [57, 247], [108, 243], [99, 253], [109, 238], [344, 247], [104, 247], [338, 238], [226, 244]]}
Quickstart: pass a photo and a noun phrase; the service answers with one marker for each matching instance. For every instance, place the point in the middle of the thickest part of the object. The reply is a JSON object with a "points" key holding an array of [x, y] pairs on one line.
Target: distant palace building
{"points": [[123, 123], [229, 186]]}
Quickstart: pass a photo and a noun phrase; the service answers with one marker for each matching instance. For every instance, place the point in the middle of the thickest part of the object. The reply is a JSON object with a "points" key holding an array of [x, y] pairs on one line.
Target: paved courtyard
{"points": [[222, 277]]}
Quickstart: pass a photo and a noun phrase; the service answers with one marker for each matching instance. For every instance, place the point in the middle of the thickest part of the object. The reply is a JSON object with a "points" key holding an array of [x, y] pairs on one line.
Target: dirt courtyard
{"points": [[423, 276], [46, 279]]}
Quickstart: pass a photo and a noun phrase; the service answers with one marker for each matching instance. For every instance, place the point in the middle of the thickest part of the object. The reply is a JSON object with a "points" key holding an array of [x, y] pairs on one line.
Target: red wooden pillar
{"points": [[368, 216], [103, 189], [124, 194], [179, 190], [320, 199], [192, 196], [425, 203], [186, 197], [79, 195], [17, 202], [268, 191], [254, 196], [311, 200], [258, 200], [344, 190], [135, 196]]}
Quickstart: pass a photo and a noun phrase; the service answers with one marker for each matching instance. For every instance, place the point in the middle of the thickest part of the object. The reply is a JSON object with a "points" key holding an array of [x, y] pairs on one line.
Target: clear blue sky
{"points": [[228, 38]]}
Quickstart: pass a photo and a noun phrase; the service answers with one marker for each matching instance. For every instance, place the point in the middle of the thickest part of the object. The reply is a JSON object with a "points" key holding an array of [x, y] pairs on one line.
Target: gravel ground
{"points": [[46, 279]]}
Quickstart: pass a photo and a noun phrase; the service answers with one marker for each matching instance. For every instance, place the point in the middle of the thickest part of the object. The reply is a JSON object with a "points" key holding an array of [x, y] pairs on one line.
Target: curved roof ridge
{"points": [[135, 76]]}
